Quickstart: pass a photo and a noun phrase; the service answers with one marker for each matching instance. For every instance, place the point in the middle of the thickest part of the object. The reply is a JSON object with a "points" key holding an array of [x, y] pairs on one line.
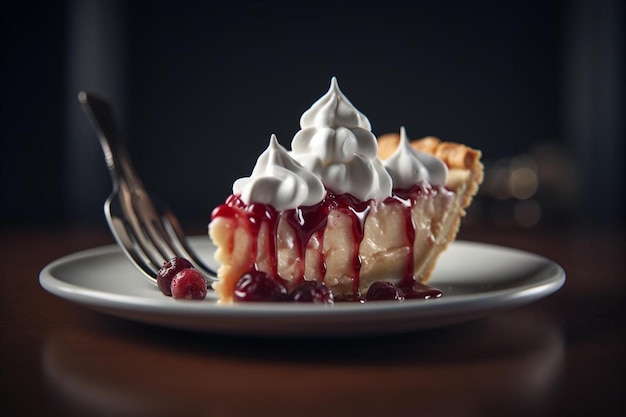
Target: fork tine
{"points": [[166, 228], [176, 235], [130, 243], [139, 254], [163, 232], [142, 232], [152, 242]]}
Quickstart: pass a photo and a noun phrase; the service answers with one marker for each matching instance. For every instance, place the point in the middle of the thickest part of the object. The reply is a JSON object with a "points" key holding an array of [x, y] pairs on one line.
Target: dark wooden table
{"points": [[560, 356]]}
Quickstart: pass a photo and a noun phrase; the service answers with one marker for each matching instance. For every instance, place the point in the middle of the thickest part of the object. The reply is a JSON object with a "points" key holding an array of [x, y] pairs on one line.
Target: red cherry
{"points": [[383, 290], [259, 286], [311, 292], [189, 284], [168, 271]]}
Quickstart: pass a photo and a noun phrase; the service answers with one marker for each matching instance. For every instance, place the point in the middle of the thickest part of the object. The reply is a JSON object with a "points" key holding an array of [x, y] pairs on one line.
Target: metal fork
{"points": [[144, 227]]}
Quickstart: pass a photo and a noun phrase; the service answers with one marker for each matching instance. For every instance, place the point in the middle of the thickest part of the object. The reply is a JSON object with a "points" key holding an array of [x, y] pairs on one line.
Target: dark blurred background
{"points": [[200, 86]]}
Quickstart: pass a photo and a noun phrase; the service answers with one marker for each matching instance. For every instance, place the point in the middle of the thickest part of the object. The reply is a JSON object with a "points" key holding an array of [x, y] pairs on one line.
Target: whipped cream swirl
{"points": [[336, 143], [280, 181], [408, 166]]}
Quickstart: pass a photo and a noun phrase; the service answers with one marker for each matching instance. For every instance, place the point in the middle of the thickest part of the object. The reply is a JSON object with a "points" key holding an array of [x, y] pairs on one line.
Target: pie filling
{"points": [[342, 241]]}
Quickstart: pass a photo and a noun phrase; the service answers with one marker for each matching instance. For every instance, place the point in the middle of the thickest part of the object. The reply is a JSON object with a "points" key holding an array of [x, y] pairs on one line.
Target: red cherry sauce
{"points": [[306, 222], [417, 290], [358, 211]]}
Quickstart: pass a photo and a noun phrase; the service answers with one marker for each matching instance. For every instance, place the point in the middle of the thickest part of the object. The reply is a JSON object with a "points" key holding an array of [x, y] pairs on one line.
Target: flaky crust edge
{"points": [[465, 174]]}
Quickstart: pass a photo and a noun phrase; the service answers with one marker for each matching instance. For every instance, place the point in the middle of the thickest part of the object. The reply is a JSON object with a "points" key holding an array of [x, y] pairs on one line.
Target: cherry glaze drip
{"points": [[417, 290], [409, 230], [308, 221], [358, 211]]}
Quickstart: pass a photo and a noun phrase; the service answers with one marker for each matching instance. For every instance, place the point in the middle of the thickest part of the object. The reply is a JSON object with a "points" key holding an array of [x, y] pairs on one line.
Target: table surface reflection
{"points": [[563, 355]]}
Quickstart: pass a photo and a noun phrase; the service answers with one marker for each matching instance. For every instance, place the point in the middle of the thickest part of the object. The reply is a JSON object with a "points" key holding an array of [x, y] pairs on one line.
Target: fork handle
{"points": [[100, 113]]}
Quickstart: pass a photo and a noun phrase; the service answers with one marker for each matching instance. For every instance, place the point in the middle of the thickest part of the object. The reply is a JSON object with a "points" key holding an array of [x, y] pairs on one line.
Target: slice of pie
{"points": [[343, 208]]}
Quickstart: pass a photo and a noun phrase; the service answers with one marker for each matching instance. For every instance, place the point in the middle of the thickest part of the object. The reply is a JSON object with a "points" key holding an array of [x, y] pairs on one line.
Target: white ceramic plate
{"points": [[476, 279]]}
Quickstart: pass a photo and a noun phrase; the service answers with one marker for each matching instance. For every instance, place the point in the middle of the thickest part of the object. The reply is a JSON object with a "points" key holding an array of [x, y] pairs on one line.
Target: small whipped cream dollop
{"points": [[408, 166], [336, 143], [280, 181]]}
